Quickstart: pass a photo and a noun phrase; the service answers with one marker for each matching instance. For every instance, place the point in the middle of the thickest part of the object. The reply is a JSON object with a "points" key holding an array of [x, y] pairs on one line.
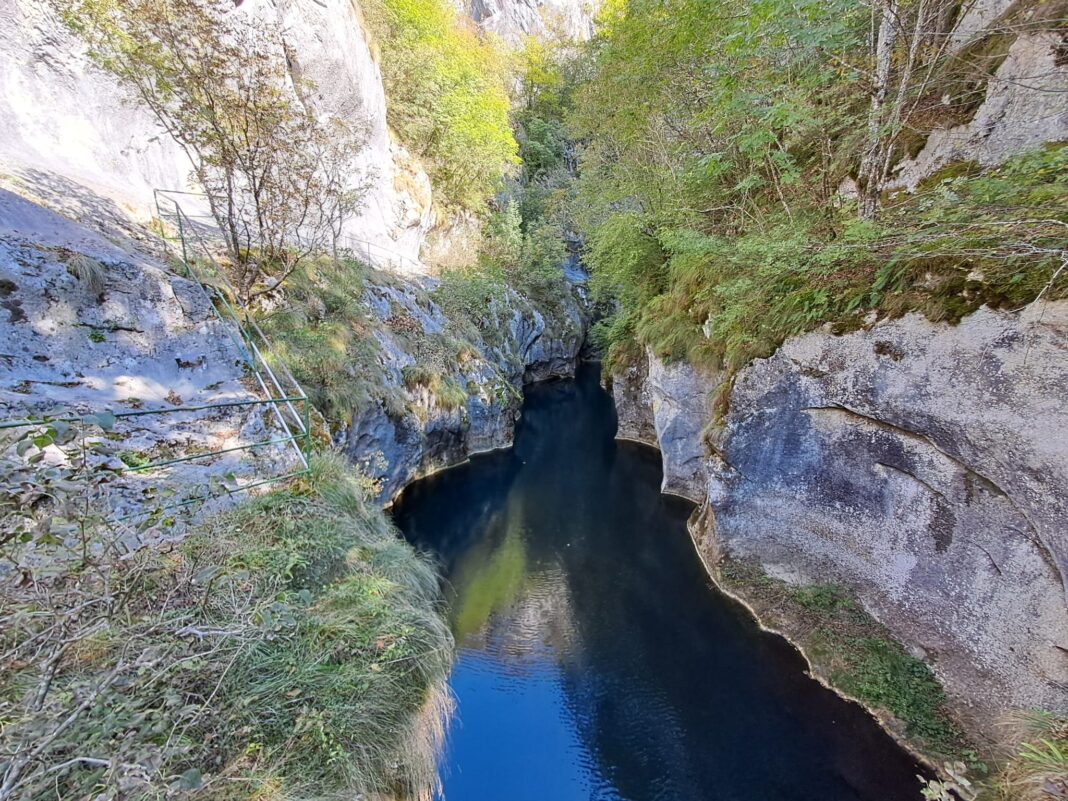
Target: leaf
{"points": [[105, 420], [192, 779]]}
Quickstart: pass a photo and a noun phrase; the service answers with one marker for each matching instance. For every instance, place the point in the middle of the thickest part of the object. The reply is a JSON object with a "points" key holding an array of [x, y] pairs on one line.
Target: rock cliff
{"points": [[922, 465], [104, 144], [95, 322], [513, 20], [414, 429], [1022, 107]]}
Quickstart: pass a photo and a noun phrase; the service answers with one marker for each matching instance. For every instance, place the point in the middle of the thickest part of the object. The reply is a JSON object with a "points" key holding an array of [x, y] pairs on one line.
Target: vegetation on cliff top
{"points": [[448, 97], [715, 144]]}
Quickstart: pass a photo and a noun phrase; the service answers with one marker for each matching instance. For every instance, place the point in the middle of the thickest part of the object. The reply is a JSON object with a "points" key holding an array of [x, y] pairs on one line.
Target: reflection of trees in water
{"points": [[503, 603], [565, 559], [538, 627]]}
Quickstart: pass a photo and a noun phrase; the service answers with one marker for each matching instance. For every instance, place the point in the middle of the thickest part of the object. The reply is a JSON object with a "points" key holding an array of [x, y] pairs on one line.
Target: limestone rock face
{"points": [[634, 406], [513, 20], [90, 324], [681, 410], [70, 129], [411, 432], [923, 465], [1023, 109], [668, 405]]}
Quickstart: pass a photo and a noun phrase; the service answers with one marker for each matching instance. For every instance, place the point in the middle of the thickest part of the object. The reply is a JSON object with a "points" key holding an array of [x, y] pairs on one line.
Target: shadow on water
{"points": [[595, 660]]}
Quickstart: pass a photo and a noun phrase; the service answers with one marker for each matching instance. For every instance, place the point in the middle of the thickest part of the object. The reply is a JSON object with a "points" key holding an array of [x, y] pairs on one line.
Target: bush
{"points": [[965, 241]]}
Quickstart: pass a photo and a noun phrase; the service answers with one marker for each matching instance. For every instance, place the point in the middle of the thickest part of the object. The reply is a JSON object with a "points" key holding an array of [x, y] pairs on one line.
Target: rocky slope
{"points": [[1012, 54], [922, 465], [92, 325], [454, 387]]}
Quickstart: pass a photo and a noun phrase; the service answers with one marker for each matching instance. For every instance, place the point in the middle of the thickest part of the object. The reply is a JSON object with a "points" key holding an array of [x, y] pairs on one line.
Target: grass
{"points": [[1038, 768], [325, 334], [293, 647], [856, 655], [964, 240], [88, 271]]}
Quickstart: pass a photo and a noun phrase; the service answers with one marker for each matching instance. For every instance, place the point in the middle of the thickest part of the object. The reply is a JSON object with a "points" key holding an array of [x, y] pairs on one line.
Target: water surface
{"points": [[595, 660]]}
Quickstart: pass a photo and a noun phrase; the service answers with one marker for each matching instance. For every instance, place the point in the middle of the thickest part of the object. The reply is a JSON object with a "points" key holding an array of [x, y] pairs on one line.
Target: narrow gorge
{"points": [[508, 399]]}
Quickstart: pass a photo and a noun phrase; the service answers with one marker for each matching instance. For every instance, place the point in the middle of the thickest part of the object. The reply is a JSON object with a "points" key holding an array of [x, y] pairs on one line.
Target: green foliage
{"points": [[448, 96], [954, 787], [823, 597], [324, 335], [290, 646], [450, 395], [446, 390], [880, 673], [416, 375], [713, 145], [280, 181], [973, 239]]}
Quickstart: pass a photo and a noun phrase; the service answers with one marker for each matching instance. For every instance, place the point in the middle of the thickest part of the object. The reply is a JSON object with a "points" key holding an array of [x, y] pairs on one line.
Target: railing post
{"points": [[181, 236], [307, 428]]}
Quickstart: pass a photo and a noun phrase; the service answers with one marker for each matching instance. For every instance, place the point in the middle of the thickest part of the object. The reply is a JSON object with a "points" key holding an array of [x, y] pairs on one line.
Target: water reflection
{"points": [[595, 661]]}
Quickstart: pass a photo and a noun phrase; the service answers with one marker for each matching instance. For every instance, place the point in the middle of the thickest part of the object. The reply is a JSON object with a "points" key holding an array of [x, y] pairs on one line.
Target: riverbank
{"points": [[851, 653]]}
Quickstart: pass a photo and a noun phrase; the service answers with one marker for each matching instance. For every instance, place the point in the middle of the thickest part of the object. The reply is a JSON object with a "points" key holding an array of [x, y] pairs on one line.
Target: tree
{"points": [[279, 179], [449, 104]]}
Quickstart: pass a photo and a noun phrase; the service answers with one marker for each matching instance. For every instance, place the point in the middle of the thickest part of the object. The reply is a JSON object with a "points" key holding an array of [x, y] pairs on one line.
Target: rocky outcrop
{"points": [[1024, 104], [514, 20], [105, 145], [453, 388], [667, 405], [922, 465], [90, 325]]}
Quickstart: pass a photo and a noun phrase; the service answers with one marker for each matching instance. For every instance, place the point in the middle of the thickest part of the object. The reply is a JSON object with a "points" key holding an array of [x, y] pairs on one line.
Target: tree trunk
{"points": [[871, 180]]}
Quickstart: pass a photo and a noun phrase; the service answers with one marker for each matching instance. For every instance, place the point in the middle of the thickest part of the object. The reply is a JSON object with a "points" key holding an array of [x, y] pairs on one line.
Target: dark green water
{"points": [[595, 659]]}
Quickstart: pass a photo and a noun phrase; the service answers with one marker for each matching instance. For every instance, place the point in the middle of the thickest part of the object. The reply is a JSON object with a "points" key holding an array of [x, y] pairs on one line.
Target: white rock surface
{"points": [[926, 466], [1024, 108], [514, 20], [134, 337], [668, 405], [67, 128]]}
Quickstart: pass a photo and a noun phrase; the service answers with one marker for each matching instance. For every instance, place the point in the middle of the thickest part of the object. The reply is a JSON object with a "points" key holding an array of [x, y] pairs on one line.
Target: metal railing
{"points": [[197, 251], [370, 253], [277, 388]]}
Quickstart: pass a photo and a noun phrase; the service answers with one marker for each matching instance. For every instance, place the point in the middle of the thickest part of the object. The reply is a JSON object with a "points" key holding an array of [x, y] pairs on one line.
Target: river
{"points": [[595, 660]]}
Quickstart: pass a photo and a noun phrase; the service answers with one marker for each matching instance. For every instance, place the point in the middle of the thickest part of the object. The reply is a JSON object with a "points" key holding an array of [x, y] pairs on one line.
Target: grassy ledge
{"points": [[855, 655], [292, 647]]}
